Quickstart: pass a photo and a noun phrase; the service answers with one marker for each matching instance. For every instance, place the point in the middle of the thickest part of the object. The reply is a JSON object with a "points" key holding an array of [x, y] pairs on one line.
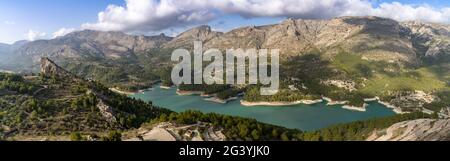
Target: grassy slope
{"points": [[385, 77]]}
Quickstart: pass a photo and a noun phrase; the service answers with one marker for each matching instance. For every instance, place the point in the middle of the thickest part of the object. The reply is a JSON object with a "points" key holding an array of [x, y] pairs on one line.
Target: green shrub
{"points": [[113, 136]]}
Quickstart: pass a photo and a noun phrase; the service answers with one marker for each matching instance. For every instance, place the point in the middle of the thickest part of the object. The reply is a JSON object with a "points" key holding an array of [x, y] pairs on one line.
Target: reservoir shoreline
{"points": [[330, 102], [299, 116]]}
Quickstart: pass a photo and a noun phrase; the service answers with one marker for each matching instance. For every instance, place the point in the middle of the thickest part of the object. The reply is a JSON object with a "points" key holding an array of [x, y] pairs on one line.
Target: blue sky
{"points": [[44, 17], [19, 16]]}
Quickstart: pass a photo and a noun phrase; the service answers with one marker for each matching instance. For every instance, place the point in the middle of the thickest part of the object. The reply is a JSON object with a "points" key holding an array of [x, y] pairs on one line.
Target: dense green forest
{"points": [[166, 79], [253, 94], [51, 105], [133, 73], [15, 83], [228, 93], [131, 112], [444, 97], [359, 130], [235, 128], [221, 91], [208, 89], [238, 128]]}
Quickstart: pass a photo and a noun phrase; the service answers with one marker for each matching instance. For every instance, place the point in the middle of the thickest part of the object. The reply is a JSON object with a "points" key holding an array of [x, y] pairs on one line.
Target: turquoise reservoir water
{"points": [[304, 117]]}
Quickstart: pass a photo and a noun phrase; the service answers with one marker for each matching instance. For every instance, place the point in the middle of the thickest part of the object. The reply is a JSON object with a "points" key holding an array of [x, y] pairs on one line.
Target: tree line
{"points": [[238, 128]]}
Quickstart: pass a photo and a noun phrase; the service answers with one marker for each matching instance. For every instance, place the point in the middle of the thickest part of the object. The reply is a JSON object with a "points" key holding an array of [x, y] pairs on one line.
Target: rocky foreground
{"points": [[166, 131], [415, 130]]}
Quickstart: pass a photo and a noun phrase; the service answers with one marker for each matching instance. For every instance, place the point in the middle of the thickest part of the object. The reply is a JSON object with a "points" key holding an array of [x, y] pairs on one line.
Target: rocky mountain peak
{"points": [[90, 43], [431, 40], [50, 68], [372, 37], [203, 28], [418, 27], [289, 21], [202, 33]]}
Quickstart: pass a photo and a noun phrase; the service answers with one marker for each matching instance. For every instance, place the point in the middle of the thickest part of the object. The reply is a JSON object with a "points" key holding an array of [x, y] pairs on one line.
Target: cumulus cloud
{"points": [[35, 35], [155, 15], [402, 12], [151, 15], [294, 8], [62, 32]]}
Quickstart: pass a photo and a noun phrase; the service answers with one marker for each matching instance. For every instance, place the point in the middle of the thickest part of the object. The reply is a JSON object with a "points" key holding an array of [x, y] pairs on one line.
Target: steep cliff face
{"points": [[416, 130], [432, 41], [106, 111], [372, 37], [49, 68]]}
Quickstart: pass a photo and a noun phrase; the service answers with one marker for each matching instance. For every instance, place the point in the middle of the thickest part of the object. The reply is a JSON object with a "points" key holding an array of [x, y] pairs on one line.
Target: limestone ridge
{"points": [[202, 33], [415, 130], [88, 43], [374, 38], [106, 111], [49, 68]]}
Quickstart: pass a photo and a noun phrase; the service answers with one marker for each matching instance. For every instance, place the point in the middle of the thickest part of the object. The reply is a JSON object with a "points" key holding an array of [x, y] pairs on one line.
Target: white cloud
{"points": [[7, 22], [155, 15], [151, 15], [62, 32], [294, 8], [35, 35], [402, 12]]}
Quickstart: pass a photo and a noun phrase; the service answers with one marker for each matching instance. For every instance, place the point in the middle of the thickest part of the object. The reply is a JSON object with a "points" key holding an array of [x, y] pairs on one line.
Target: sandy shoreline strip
{"points": [[165, 87], [396, 109], [307, 102], [355, 108], [331, 102], [122, 92], [189, 93], [128, 93]]}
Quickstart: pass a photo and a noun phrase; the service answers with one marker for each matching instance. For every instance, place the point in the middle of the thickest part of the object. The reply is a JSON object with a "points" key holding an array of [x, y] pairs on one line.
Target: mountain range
{"points": [[372, 37], [404, 65], [377, 56]]}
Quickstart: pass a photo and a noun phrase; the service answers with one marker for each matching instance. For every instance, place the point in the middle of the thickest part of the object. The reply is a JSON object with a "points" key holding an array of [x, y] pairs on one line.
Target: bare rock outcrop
{"points": [[49, 68], [431, 40], [106, 111], [166, 131], [88, 43], [415, 130], [412, 99], [186, 39]]}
